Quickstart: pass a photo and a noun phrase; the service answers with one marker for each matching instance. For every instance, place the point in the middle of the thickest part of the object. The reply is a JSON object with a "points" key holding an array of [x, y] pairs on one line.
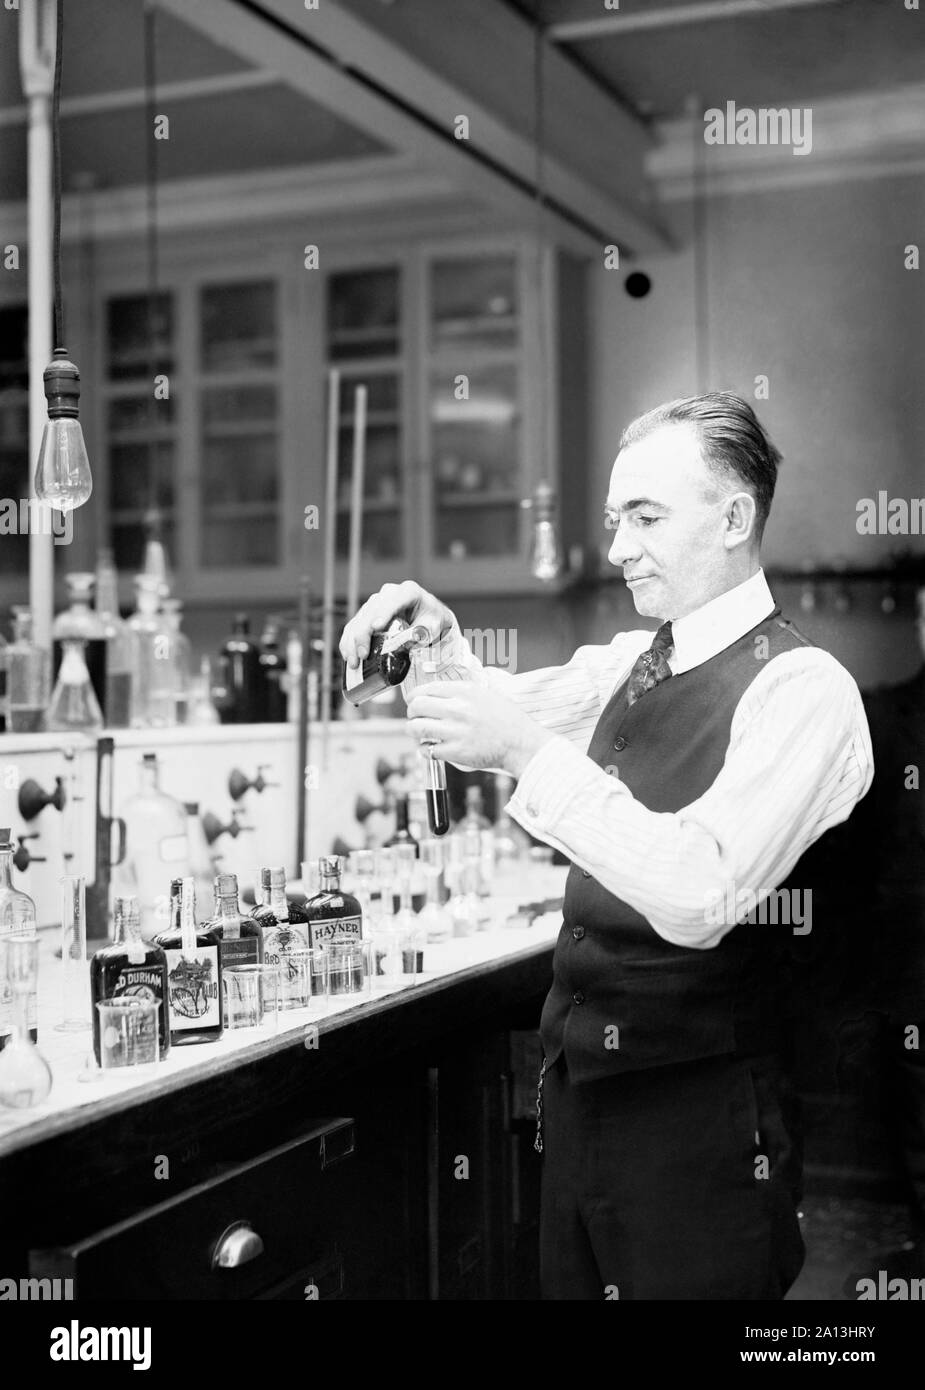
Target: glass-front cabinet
{"points": [[206, 402]]}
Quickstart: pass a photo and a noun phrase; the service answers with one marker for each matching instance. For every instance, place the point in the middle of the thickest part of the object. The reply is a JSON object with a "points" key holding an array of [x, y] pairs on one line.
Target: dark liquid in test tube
{"points": [[438, 810]]}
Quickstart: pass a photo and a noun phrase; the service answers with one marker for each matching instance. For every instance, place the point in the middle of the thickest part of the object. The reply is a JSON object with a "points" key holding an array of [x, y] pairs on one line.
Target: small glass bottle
{"points": [[28, 672], [155, 703], [79, 620], [412, 934], [200, 709], [180, 654], [74, 705], [121, 646], [387, 664], [17, 918], [464, 907], [285, 931], [434, 917], [194, 971], [130, 966], [402, 834], [273, 674], [242, 677]]}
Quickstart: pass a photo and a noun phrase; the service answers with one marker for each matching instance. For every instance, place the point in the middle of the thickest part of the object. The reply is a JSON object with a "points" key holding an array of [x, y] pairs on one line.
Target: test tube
{"points": [[438, 806]]}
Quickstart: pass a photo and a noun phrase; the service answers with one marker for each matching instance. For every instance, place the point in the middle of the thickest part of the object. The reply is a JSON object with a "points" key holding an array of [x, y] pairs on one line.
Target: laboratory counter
{"points": [[374, 1146]]}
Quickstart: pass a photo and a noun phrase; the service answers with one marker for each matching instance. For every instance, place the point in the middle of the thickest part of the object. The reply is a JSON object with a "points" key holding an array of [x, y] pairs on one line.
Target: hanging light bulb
{"points": [[62, 475], [545, 551]]}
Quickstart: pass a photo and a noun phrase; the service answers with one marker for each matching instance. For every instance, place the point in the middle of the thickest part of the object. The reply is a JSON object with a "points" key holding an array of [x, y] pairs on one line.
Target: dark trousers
{"points": [[675, 1182]]}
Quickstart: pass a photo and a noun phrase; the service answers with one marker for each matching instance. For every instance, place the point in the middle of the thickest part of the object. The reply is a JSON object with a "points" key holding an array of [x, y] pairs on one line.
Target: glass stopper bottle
{"points": [[156, 845], [130, 966], [28, 672], [242, 678]]}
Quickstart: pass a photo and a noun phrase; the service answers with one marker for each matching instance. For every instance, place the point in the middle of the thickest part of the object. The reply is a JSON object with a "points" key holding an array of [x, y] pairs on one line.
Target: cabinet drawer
{"points": [[283, 1215]]}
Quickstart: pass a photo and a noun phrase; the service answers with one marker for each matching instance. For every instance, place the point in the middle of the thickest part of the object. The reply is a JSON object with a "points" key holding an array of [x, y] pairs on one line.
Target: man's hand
{"points": [[406, 600], [475, 727]]}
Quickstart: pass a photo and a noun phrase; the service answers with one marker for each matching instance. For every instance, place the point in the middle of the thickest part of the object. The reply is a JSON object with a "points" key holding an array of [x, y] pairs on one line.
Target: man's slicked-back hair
{"points": [[735, 445]]}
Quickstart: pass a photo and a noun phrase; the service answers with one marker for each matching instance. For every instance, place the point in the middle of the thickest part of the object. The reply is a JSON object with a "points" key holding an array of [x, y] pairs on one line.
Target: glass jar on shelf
{"points": [[27, 676], [79, 620], [74, 707]]}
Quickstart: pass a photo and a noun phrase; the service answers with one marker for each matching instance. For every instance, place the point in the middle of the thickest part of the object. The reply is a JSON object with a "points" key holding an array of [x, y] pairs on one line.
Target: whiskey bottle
{"points": [[240, 940], [130, 966], [194, 971], [334, 917], [285, 931], [17, 918]]}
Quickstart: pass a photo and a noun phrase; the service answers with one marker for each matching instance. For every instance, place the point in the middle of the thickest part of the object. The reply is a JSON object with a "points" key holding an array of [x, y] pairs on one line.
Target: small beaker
{"points": [[128, 1032], [251, 996]]}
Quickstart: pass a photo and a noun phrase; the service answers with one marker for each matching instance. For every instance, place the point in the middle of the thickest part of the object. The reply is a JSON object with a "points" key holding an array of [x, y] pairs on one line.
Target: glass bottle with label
{"points": [[17, 918], [27, 677], [194, 971], [284, 926], [156, 845], [240, 938], [334, 917], [130, 966]]}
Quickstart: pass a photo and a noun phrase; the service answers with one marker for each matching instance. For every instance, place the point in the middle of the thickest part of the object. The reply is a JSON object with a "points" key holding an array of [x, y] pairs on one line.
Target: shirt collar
{"points": [[710, 629]]}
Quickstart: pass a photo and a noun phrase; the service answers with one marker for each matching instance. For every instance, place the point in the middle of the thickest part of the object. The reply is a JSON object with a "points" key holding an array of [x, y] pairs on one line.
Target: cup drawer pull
{"points": [[237, 1245]]}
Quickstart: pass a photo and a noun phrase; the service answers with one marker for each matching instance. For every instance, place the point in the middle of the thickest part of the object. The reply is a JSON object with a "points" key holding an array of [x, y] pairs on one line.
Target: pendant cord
{"points": [[56, 177], [150, 63], [540, 205]]}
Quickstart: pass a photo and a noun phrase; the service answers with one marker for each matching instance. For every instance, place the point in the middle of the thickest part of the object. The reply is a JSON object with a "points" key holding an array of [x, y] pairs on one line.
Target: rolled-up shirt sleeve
{"points": [[799, 759]]}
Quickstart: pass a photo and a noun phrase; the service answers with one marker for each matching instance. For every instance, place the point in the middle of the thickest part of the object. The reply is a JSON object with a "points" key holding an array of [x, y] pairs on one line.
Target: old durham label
{"points": [[335, 931], [192, 979]]}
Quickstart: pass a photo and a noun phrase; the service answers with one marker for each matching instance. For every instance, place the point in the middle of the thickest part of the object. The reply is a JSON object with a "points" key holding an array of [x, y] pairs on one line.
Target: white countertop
{"points": [[73, 1101]]}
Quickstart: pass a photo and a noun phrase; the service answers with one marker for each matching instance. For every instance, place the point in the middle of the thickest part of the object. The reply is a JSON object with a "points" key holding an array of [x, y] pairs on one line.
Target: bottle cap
{"points": [[5, 842], [277, 877], [330, 865], [264, 878], [226, 885]]}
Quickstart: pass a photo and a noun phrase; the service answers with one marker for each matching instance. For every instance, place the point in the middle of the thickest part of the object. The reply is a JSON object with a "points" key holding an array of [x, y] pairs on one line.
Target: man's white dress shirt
{"points": [[799, 759]]}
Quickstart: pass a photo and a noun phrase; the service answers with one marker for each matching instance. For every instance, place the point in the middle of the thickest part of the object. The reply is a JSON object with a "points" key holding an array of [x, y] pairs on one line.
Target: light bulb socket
{"points": [[61, 381]]}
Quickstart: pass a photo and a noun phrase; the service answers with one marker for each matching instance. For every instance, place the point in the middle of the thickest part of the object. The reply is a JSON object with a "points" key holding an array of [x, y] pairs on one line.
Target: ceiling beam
{"points": [[697, 12], [128, 98], [350, 68]]}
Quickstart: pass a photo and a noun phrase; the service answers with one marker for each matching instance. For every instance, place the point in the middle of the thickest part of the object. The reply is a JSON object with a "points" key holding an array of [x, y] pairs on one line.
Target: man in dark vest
{"points": [[683, 775]]}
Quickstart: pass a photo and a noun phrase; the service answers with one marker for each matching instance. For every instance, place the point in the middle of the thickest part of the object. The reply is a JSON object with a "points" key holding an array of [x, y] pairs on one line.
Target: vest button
{"points": [[620, 744], [611, 770], [585, 874], [578, 997], [578, 932]]}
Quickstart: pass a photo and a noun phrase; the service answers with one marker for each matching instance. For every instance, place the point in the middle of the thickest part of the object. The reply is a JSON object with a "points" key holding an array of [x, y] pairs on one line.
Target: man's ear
{"points": [[740, 516]]}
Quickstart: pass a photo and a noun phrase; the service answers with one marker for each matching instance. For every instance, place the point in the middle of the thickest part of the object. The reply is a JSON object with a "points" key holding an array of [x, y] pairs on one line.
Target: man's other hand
{"points": [[474, 727]]}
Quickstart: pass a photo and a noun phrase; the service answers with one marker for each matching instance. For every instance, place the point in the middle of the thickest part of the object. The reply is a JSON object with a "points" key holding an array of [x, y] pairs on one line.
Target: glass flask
{"points": [[28, 672], [25, 1076], [79, 620], [74, 705]]}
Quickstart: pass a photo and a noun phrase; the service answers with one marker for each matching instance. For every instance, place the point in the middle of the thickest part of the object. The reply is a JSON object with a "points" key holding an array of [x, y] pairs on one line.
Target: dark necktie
{"points": [[651, 668]]}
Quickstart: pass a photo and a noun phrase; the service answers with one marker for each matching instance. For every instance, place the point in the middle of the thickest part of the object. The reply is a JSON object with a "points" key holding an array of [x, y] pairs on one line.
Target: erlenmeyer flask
{"points": [[73, 704]]}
